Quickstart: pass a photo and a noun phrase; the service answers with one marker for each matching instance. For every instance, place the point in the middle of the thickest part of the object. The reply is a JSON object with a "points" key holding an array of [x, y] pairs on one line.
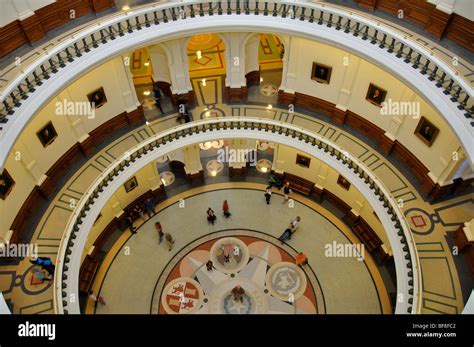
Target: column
{"points": [[178, 66], [192, 162], [351, 69], [29, 163]]}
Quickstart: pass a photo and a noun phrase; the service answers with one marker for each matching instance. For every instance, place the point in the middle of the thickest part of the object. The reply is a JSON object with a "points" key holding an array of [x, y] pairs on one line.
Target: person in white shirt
{"points": [[295, 223]]}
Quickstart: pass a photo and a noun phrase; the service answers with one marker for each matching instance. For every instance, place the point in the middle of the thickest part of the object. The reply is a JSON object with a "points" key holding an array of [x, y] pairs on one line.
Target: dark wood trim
{"points": [[235, 94], [465, 247], [237, 172], [35, 27], [424, 14], [196, 177], [460, 30], [188, 98], [253, 78]]}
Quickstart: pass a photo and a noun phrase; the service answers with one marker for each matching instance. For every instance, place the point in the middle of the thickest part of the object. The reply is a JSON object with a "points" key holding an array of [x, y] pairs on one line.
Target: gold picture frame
{"points": [[343, 182], [131, 184], [47, 134], [6, 184], [303, 161], [321, 73], [375, 95], [426, 131]]}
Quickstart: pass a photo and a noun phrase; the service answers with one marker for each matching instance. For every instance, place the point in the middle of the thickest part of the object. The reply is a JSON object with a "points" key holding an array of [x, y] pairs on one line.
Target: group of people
{"points": [[290, 230], [211, 216], [285, 189], [139, 211], [167, 236]]}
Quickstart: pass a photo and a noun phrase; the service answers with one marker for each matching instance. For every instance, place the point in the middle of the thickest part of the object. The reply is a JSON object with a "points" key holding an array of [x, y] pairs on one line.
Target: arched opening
{"points": [[151, 84], [264, 67], [207, 68]]}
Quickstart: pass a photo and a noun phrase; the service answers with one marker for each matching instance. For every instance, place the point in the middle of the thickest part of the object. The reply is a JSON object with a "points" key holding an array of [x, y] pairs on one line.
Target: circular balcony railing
{"points": [[74, 238], [89, 39]]}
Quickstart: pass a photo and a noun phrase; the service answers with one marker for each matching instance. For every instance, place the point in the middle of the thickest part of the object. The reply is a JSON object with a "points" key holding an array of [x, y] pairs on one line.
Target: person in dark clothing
{"points": [[268, 195], [149, 205], [157, 96], [136, 212], [129, 222], [159, 229], [285, 236], [211, 216], [209, 265], [238, 293]]}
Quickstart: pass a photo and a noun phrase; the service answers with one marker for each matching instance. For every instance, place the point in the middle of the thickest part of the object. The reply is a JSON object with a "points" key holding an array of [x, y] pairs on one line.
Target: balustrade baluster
{"points": [[69, 55], [129, 26], [94, 41], [408, 57], [338, 24], [37, 79], [121, 33], [357, 30], [400, 50], [219, 8], [329, 25], [425, 67], [365, 35], [374, 37], [29, 85], [53, 65], [137, 23], [147, 21], [440, 82], [320, 20]]}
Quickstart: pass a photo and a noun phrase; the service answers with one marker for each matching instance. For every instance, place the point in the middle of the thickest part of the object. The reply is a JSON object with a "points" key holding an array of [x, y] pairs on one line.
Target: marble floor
{"points": [[140, 270]]}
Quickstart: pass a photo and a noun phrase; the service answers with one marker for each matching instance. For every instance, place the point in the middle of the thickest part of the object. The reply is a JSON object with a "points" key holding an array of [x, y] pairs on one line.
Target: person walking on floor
{"points": [[96, 298], [268, 195], [159, 229], [295, 223], [169, 241], [301, 259], [211, 216], [286, 191], [225, 209], [210, 265]]}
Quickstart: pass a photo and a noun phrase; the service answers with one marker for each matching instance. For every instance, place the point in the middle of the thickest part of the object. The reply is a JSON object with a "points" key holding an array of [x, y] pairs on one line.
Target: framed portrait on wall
{"points": [[47, 134], [131, 184], [426, 131], [376, 95], [302, 160], [6, 184], [97, 97], [341, 180], [321, 73]]}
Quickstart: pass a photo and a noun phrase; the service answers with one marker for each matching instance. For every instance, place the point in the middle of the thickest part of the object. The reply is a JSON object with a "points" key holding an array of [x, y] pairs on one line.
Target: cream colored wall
{"points": [[71, 129], [348, 88], [145, 179], [326, 177]]}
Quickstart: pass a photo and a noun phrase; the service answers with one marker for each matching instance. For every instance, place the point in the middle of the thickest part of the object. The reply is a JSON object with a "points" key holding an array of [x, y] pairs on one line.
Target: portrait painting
{"points": [[341, 180], [303, 160], [376, 95], [321, 73], [426, 131], [47, 134], [6, 184], [131, 184], [97, 97]]}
